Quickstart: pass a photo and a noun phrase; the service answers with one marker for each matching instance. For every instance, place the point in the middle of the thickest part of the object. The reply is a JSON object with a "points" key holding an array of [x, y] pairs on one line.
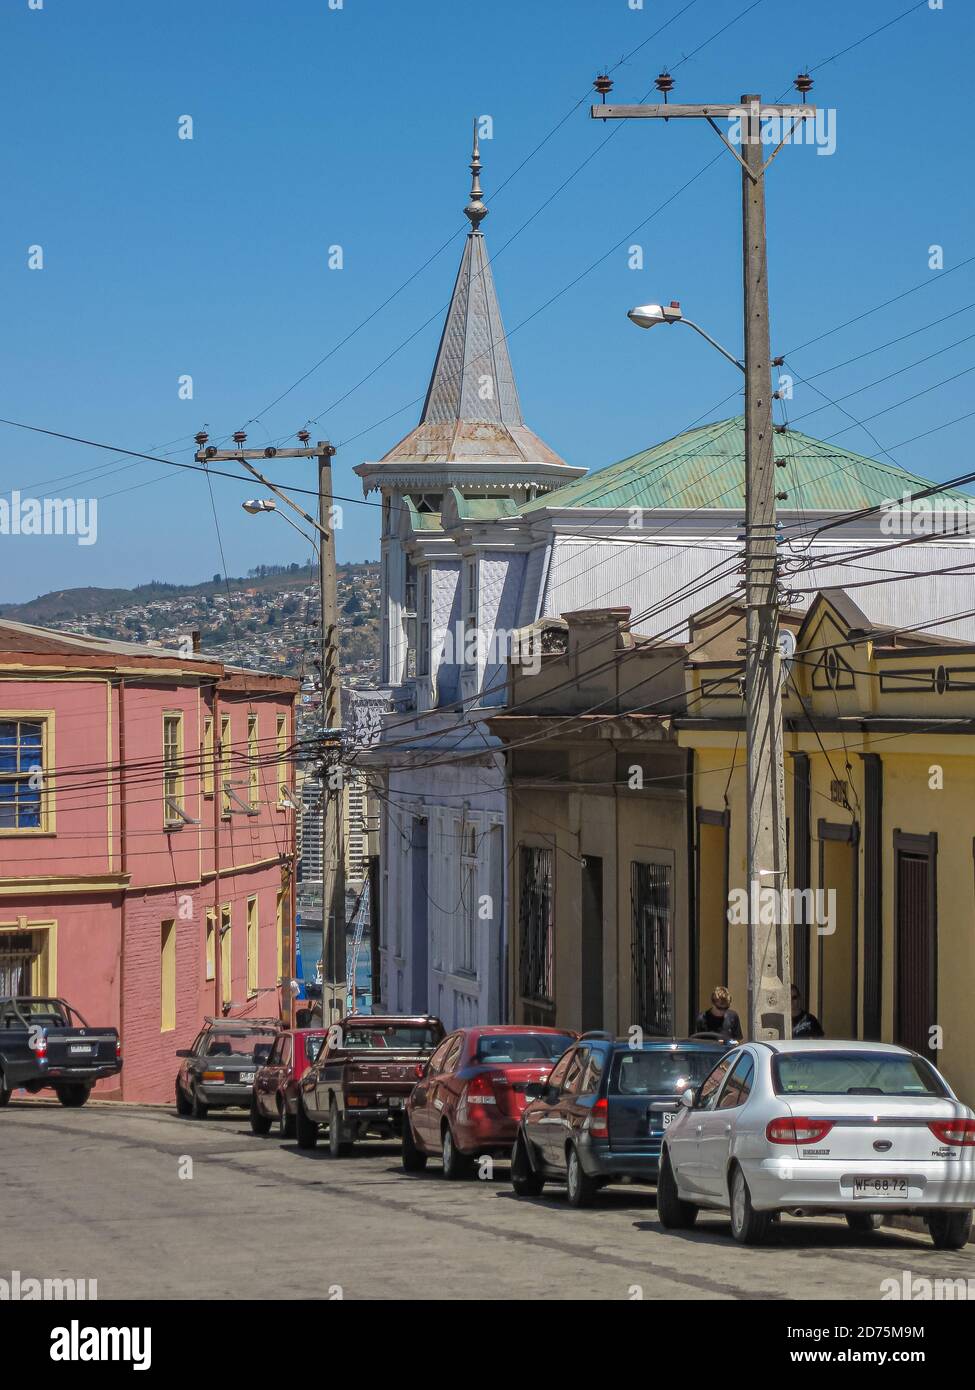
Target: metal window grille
{"points": [[17, 956], [535, 924], [653, 948]]}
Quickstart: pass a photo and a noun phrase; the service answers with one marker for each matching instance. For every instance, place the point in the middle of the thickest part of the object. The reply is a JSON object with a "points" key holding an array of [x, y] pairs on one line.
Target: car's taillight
{"points": [[795, 1130], [954, 1131], [480, 1091], [599, 1120], [118, 1047], [40, 1047], [419, 1069], [361, 1101]]}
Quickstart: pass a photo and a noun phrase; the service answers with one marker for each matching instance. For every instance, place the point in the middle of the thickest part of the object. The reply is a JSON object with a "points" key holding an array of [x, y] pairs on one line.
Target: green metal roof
{"points": [[483, 508], [705, 467]]}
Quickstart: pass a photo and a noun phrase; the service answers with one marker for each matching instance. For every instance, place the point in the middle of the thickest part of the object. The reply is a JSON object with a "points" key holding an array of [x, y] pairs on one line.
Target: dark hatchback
{"points": [[217, 1072], [602, 1113]]}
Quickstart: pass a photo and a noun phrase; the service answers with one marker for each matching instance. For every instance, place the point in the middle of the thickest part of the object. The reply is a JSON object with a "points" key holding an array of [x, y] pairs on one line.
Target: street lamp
{"points": [[648, 315]]}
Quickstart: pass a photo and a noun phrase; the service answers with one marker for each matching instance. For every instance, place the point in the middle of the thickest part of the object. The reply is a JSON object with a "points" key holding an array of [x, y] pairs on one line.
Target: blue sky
{"points": [[315, 127]]}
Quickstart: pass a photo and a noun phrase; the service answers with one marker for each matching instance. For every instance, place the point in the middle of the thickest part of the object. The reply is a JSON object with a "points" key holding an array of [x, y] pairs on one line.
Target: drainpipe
{"points": [[217, 803], [124, 852]]}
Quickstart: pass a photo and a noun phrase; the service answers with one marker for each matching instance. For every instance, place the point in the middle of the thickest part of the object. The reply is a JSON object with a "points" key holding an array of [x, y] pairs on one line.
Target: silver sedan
{"points": [[809, 1127]]}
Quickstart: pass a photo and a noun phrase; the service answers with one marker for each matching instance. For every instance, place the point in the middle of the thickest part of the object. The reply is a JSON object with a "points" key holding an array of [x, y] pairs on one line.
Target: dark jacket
{"points": [[729, 1027], [807, 1025]]}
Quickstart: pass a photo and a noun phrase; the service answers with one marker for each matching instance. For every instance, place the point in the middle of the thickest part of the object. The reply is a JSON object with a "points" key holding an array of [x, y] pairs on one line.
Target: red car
{"points": [[275, 1094], [470, 1096]]}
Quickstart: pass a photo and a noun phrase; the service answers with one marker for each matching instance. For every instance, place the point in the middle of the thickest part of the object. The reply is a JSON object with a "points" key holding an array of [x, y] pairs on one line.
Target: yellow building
{"points": [[880, 790]]}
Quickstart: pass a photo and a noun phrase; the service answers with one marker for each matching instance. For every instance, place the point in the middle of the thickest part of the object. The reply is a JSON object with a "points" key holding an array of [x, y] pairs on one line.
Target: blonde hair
{"points": [[721, 996]]}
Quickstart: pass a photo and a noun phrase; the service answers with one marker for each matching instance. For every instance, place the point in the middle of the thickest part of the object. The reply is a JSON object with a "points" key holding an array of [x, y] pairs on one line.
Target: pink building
{"points": [[147, 840]]}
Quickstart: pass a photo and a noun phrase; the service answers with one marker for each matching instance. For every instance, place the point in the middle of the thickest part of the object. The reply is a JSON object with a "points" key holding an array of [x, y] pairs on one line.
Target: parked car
{"points": [[275, 1094], [472, 1092], [218, 1071], [361, 1078], [602, 1113], [816, 1126], [45, 1043]]}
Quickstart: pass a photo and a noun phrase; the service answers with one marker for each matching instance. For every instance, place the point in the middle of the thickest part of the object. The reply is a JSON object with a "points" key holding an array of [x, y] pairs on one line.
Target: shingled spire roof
{"points": [[472, 411]]}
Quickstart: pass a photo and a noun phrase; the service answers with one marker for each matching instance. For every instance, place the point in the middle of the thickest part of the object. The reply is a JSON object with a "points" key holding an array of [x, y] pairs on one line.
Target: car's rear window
{"points": [[522, 1047], [236, 1044], [854, 1074], [400, 1038], [661, 1072]]}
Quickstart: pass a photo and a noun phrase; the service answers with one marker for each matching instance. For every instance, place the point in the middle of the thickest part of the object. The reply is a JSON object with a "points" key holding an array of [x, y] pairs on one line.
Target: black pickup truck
{"points": [[46, 1043]]}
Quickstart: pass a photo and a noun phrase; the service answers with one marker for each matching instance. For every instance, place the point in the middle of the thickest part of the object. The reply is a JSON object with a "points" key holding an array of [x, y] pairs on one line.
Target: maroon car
{"points": [[275, 1095], [470, 1097]]}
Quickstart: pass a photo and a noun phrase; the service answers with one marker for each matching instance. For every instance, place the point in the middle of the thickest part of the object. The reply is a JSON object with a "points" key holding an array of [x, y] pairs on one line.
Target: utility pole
{"points": [[333, 853], [769, 972]]}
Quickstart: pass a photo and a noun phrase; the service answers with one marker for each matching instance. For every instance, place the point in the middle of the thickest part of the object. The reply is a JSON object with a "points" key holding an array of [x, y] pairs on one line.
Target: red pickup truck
{"points": [[360, 1080]]}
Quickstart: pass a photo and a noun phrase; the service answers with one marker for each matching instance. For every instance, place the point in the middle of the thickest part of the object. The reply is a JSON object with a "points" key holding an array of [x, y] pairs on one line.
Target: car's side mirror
{"points": [[184, 1052], [688, 1098]]}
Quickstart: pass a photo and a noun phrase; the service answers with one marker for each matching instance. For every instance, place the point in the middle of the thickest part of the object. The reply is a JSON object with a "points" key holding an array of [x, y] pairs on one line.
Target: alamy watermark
{"points": [[767, 905], [24, 1288], [49, 516], [790, 125], [927, 516]]}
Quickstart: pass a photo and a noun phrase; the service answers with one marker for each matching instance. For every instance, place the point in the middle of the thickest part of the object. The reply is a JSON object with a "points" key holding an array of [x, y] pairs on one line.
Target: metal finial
{"points": [[475, 210]]}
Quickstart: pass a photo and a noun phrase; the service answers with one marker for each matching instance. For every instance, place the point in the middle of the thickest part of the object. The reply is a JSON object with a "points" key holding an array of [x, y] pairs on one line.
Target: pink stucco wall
{"points": [[108, 934]]}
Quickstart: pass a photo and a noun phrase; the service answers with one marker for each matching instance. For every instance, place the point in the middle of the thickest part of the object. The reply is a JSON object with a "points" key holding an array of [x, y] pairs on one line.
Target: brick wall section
{"points": [[150, 1055]]}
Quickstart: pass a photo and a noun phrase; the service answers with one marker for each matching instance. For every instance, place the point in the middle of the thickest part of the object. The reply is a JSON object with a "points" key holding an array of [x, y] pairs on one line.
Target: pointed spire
{"points": [[472, 413], [475, 210]]}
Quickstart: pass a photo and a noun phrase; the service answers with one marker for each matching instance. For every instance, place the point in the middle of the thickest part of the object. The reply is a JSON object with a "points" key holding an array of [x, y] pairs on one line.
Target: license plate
{"points": [[880, 1187], [395, 1102], [246, 1076], [80, 1047]]}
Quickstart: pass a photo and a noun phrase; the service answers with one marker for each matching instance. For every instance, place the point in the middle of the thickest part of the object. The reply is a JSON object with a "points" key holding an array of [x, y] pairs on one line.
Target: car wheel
{"points": [[286, 1121], [414, 1160], [674, 1213], [455, 1164], [950, 1230], [198, 1108], [5, 1092], [580, 1188], [863, 1222], [338, 1146], [306, 1131], [748, 1226], [73, 1095], [183, 1106], [260, 1123], [525, 1181]]}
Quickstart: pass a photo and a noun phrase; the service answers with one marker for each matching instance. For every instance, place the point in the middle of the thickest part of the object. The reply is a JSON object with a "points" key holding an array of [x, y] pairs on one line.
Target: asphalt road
{"points": [[107, 1193]]}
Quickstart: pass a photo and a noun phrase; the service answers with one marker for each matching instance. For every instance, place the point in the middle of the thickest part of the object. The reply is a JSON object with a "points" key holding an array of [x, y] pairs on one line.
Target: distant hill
{"points": [[68, 605]]}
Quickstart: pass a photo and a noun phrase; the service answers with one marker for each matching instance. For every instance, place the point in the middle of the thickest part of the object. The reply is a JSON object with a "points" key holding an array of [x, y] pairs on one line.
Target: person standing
{"points": [[720, 1017], [804, 1024]]}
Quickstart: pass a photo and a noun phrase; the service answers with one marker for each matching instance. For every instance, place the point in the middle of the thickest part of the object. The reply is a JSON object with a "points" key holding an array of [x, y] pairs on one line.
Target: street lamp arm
{"points": [[724, 351], [288, 501], [294, 525]]}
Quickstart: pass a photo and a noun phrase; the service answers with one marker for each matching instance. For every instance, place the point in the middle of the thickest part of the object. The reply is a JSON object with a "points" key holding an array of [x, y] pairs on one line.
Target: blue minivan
{"points": [[602, 1112]]}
